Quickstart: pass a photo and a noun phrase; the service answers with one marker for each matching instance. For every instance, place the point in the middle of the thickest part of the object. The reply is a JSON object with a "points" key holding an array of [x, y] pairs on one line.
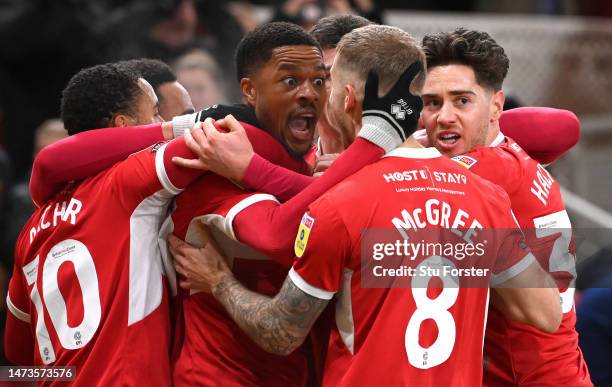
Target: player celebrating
{"points": [[371, 343], [463, 102], [286, 73], [80, 294]]}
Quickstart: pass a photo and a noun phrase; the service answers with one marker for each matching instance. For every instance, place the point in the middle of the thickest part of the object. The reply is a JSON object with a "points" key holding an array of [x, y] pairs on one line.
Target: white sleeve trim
{"points": [[21, 315], [241, 205], [162, 175], [182, 123], [307, 288], [512, 271]]}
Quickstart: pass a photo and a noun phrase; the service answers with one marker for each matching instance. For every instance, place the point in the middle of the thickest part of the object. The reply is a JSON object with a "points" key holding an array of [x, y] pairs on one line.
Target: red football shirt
{"points": [[212, 349], [403, 335], [517, 353], [89, 281]]}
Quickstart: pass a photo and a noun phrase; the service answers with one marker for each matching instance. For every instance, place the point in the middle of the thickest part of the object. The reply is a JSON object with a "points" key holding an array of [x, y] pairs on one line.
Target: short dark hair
{"points": [[255, 48], [153, 71], [475, 49], [329, 30], [95, 94]]}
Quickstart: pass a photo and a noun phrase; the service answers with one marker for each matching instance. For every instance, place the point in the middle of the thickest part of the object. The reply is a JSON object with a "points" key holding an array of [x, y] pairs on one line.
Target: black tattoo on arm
{"points": [[278, 325]]}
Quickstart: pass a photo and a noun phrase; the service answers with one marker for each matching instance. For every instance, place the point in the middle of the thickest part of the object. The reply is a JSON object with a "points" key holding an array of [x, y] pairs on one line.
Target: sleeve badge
{"points": [[466, 161], [301, 239]]}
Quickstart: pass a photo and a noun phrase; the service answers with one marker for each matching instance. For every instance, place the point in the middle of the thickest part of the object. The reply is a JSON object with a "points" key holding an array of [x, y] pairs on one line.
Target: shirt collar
{"points": [[415, 153], [498, 140]]}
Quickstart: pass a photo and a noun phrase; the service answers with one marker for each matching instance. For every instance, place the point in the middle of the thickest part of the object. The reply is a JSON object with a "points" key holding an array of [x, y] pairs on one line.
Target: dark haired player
{"points": [[463, 101], [88, 288], [282, 76], [173, 98], [105, 96]]}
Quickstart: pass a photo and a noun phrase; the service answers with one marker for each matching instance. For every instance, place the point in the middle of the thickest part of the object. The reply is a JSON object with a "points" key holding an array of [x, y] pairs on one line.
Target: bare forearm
{"points": [[278, 325]]}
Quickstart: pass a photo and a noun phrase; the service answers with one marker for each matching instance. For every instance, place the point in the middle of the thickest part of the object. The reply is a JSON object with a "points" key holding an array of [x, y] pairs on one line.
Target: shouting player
{"points": [[378, 331], [284, 80], [463, 101]]}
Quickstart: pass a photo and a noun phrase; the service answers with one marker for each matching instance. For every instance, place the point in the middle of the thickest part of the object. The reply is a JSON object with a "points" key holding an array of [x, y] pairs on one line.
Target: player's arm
{"points": [[544, 133], [530, 297], [262, 175], [143, 173], [87, 153], [523, 291], [231, 155], [280, 324], [270, 227]]}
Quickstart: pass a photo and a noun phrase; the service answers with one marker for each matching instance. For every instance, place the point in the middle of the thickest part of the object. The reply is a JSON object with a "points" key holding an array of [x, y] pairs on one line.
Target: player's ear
{"points": [[497, 103], [350, 99], [247, 87], [352, 105], [121, 120]]}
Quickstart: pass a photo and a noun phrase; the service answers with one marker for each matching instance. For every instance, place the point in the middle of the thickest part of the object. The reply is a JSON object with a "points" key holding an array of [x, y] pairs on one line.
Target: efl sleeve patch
{"points": [[301, 240], [467, 161]]}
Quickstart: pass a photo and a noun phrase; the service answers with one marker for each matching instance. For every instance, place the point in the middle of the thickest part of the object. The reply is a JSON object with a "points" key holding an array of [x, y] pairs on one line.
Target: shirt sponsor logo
{"points": [[467, 161], [301, 240]]}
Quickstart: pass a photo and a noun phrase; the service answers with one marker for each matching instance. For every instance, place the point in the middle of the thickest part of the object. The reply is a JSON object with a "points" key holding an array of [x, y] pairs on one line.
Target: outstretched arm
{"points": [[88, 153]]}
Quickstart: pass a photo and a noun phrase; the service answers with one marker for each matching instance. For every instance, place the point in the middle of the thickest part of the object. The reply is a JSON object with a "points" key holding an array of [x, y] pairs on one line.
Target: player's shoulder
{"points": [[490, 157], [25, 238]]}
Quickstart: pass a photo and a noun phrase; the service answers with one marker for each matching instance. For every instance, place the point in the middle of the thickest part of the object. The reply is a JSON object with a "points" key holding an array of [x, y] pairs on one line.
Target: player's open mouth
{"points": [[302, 126], [447, 140]]}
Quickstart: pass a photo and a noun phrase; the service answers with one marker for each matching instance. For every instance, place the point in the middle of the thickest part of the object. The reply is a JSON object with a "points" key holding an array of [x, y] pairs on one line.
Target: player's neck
{"points": [[411, 142], [492, 134]]}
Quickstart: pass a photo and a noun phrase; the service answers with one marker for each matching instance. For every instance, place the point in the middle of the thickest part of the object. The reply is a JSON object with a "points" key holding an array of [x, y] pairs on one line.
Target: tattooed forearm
{"points": [[279, 325]]}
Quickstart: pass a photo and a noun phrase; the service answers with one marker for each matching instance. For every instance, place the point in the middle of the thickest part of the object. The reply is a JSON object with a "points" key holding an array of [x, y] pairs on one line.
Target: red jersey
{"points": [[89, 281], [516, 353], [401, 335], [212, 349]]}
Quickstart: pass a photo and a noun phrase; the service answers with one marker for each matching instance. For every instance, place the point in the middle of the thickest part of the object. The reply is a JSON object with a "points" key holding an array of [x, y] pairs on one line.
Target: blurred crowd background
{"points": [[560, 53]]}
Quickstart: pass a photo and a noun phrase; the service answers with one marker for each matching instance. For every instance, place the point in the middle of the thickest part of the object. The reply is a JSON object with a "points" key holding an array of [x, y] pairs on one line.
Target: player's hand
{"points": [[324, 162], [226, 154], [201, 268], [389, 120], [421, 136], [244, 113]]}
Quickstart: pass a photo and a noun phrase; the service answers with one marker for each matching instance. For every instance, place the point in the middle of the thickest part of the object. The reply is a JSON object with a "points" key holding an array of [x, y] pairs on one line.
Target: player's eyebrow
{"points": [[452, 92], [293, 67], [288, 66], [461, 92]]}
